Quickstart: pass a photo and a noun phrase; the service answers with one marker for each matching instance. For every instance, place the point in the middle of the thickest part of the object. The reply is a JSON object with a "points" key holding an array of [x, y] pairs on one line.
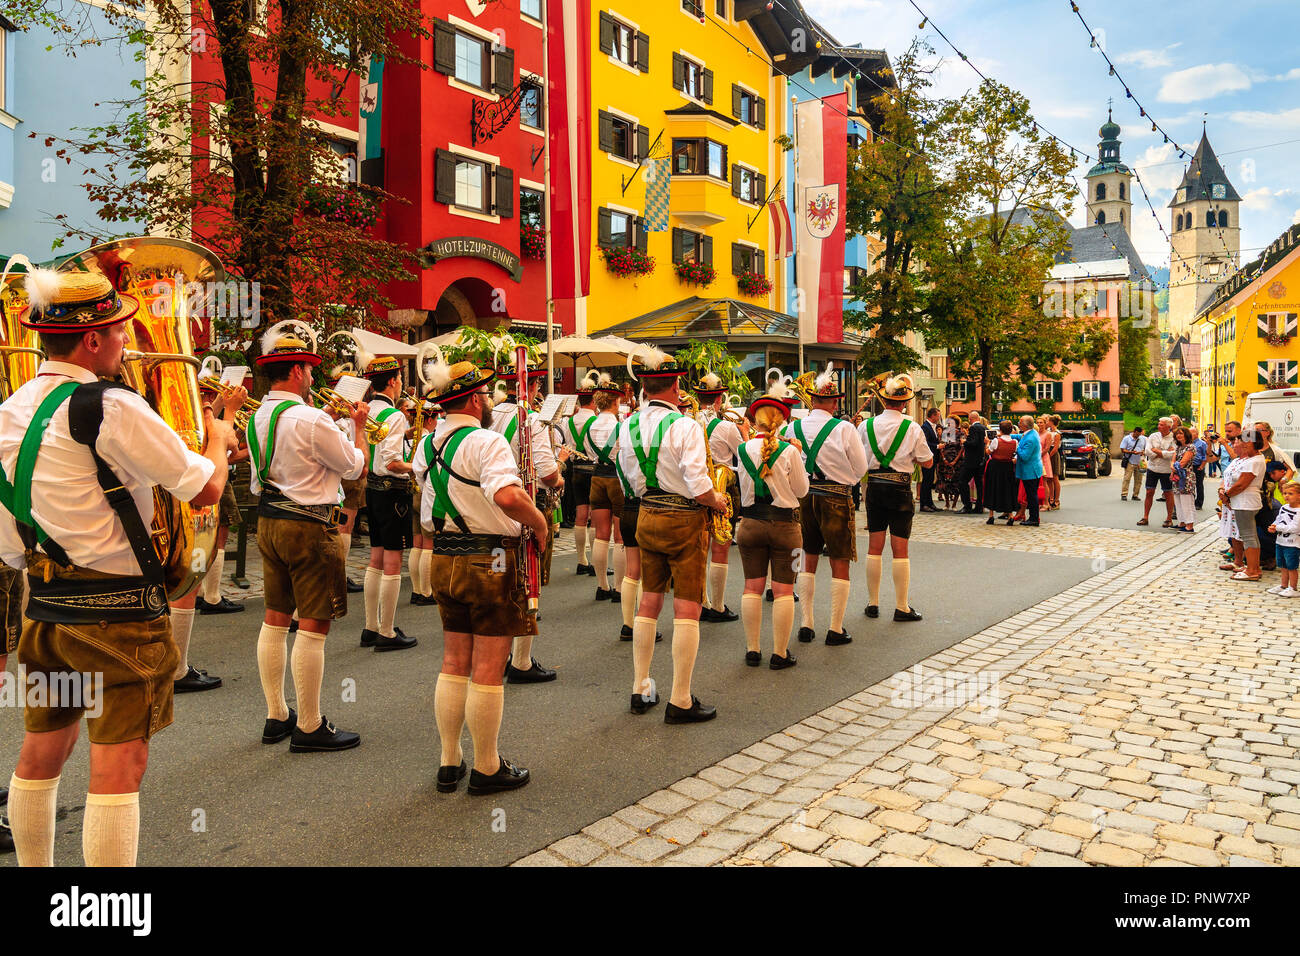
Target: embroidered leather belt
{"points": [[830, 488], [664, 501], [891, 476], [64, 601], [388, 483], [769, 513], [278, 506], [602, 470], [582, 466], [451, 544]]}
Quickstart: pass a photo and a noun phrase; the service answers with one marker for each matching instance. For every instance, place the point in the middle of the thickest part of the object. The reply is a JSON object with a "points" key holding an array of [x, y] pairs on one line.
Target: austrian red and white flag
{"points": [[821, 190], [783, 242]]}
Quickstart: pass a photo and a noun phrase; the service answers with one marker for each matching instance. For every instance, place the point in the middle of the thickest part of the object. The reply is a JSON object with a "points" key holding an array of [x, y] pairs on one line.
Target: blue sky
{"points": [[1238, 62]]}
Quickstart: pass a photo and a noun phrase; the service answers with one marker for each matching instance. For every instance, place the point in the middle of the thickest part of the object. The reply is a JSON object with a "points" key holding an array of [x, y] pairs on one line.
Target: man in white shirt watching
{"points": [[1160, 465]]}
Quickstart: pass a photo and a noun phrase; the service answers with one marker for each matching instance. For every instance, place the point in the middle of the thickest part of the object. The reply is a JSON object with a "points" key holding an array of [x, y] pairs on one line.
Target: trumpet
{"points": [[246, 411], [331, 400]]}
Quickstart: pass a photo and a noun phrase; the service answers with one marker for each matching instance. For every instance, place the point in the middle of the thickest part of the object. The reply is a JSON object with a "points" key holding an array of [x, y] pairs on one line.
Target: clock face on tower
{"points": [[1218, 191]]}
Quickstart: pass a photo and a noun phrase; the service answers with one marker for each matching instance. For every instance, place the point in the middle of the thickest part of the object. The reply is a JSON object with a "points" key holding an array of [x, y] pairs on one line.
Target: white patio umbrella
{"points": [[382, 345], [581, 351]]}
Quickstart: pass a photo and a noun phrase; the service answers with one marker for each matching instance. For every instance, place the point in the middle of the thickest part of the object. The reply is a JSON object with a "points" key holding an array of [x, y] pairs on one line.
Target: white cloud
{"points": [[1159, 169], [1264, 198], [1260, 118], [1202, 82], [1292, 74], [1148, 59]]}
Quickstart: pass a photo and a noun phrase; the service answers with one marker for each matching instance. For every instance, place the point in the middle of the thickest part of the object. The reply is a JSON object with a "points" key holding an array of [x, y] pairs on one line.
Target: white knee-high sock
{"points": [[839, 602], [449, 712], [346, 538], [110, 834], [308, 675], [807, 591], [620, 566], [371, 595], [580, 542], [599, 559], [751, 616], [212, 580], [875, 566], [270, 667], [686, 644], [426, 572], [718, 585], [484, 705], [643, 652], [782, 624], [33, 806], [521, 653], [901, 571], [631, 599], [413, 569], [182, 628], [390, 586]]}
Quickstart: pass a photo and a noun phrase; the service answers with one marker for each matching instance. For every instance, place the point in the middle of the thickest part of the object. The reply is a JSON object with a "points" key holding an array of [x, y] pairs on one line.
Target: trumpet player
{"points": [[606, 500], [725, 436], [575, 437], [505, 420], [354, 489], [210, 601], [665, 464], [98, 603], [388, 507]]}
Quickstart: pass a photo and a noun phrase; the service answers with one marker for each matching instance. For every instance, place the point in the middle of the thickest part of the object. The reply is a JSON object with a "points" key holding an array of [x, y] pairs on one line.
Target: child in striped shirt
{"points": [[1286, 525]]}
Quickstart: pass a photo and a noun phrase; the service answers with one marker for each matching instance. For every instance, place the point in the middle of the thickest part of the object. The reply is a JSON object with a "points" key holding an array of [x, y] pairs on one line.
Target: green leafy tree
{"points": [[1134, 362], [702, 356]]}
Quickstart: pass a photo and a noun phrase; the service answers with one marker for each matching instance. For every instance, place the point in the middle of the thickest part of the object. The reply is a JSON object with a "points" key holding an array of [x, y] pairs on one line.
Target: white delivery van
{"points": [[1280, 407]]}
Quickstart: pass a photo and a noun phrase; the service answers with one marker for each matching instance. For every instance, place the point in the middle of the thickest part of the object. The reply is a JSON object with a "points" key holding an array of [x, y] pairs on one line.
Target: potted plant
{"points": [[753, 284], [625, 262], [532, 241], [348, 204], [695, 273]]}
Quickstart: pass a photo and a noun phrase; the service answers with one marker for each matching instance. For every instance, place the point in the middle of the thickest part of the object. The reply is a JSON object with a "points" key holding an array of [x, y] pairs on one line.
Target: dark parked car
{"points": [[1084, 451]]}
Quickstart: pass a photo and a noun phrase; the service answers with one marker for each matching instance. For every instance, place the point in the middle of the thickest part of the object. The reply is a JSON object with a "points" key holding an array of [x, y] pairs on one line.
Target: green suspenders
{"points": [[255, 452], [887, 458]]}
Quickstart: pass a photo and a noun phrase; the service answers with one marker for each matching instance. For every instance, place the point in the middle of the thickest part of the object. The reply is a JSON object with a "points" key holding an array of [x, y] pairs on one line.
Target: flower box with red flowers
{"points": [[753, 284], [696, 273], [347, 205], [532, 242], [1278, 338], [625, 262]]}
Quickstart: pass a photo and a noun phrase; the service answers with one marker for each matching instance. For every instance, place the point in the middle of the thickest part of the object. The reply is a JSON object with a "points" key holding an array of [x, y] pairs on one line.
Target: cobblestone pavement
{"points": [[1073, 540], [1113, 724]]}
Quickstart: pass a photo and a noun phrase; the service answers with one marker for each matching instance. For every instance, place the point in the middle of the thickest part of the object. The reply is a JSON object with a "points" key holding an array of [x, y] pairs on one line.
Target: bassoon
{"points": [[527, 471]]}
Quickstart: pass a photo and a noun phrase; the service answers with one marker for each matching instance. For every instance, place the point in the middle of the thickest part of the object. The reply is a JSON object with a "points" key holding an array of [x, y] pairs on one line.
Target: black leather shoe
{"points": [[806, 635], [585, 569], [224, 606], [195, 679], [450, 777], [708, 615], [781, 663], [872, 610], [697, 713], [625, 634], [536, 674], [1030, 524], [836, 638], [323, 738], [725, 616], [6, 837], [398, 642], [640, 705], [908, 615], [507, 777], [606, 594], [355, 587], [769, 597], [591, 570], [369, 637], [419, 600], [930, 509], [273, 731], [753, 658]]}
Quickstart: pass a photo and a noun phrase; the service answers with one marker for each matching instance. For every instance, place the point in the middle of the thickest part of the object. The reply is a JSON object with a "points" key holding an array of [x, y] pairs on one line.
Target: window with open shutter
{"points": [[642, 235], [643, 52], [679, 246], [642, 143], [707, 91], [606, 33], [1057, 390], [735, 181], [707, 251], [1105, 391], [444, 189], [605, 125], [603, 228], [504, 204], [503, 71], [679, 71], [738, 258], [444, 47], [760, 189], [1076, 391], [762, 113], [737, 98]]}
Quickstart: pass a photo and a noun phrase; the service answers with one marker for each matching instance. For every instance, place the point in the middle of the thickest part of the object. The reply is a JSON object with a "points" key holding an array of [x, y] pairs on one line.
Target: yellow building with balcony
{"points": [[1247, 334]]}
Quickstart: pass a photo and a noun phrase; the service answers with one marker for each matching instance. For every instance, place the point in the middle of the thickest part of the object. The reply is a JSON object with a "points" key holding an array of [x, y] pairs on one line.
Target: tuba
{"points": [[161, 366], [721, 476], [19, 356]]}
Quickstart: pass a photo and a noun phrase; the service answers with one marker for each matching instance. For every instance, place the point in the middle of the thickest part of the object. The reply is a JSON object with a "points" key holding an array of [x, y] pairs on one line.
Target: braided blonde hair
{"points": [[606, 400], [769, 420]]}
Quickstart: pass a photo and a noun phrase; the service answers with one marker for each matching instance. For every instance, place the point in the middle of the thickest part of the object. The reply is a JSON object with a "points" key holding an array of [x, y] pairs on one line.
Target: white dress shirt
{"points": [[682, 468], [602, 428], [67, 500], [724, 441], [543, 454], [393, 447], [913, 451], [842, 458], [1160, 453], [579, 419], [787, 483], [483, 456], [311, 453]]}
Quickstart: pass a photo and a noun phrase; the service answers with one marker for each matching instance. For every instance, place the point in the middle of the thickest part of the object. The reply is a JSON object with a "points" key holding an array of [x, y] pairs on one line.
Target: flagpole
{"points": [[794, 113], [548, 205]]}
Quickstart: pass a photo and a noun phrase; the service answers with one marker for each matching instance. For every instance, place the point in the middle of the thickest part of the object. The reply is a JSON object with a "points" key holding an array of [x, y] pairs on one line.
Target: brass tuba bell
{"points": [[19, 356]]}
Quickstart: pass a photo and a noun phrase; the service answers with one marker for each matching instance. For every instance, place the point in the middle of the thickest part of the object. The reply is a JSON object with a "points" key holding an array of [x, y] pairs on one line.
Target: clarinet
{"points": [[531, 558]]}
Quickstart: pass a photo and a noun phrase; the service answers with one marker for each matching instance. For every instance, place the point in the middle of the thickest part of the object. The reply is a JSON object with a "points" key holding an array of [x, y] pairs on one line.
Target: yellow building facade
{"points": [[1247, 334], [684, 88]]}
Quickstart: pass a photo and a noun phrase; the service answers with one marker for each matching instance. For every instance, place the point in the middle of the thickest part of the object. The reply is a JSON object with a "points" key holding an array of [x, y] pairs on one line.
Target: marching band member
{"points": [[575, 437], [354, 489], [475, 504], [98, 605], [505, 420], [388, 508], [664, 462], [835, 462], [11, 601], [298, 456], [894, 445], [772, 482], [422, 547], [724, 438], [210, 600], [606, 501]]}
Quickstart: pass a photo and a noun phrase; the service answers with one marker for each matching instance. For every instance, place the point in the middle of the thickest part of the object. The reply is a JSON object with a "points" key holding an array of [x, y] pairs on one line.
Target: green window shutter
{"points": [[679, 71], [642, 143], [1105, 391], [708, 250], [760, 186], [604, 228], [1263, 373], [1076, 391], [606, 34], [679, 246], [642, 236], [1292, 371], [643, 52], [505, 192], [708, 87], [444, 188], [1057, 390], [737, 258], [503, 71], [735, 181], [605, 124], [735, 101], [444, 47], [762, 114]]}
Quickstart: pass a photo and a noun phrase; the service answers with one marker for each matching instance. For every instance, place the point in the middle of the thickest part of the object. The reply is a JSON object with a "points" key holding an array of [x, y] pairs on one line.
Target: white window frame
{"points": [[1090, 387], [752, 199], [959, 391], [541, 9], [1040, 388]]}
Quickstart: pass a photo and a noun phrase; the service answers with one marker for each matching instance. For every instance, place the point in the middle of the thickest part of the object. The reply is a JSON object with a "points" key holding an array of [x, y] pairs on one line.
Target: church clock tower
{"points": [[1205, 236], [1110, 183]]}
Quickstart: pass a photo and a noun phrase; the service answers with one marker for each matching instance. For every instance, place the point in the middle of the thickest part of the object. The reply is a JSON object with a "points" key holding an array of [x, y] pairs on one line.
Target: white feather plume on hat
{"points": [[590, 380], [825, 381], [42, 287], [711, 382], [652, 358], [289, 327]]}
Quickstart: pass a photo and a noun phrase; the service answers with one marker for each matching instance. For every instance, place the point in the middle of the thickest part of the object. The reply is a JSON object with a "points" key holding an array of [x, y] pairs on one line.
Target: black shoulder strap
{"points": [[85, 417]]}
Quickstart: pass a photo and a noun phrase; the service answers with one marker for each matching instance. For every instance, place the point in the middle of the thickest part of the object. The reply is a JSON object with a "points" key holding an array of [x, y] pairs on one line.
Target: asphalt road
{"points": [[215, 795]]}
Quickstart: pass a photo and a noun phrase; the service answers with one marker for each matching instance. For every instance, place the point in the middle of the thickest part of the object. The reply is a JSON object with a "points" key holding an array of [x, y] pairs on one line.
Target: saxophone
{"points": [[721, 476]]}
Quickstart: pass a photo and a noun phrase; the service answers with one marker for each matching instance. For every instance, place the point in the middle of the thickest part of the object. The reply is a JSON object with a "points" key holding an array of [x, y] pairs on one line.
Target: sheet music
{"points": [[234, 374], [556, 406], [352, 388]]}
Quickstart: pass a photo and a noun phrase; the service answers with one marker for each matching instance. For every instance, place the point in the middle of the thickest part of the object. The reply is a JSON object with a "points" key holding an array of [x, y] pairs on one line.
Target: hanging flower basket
{"points": [[695, 273], [753, 284], [348, 205], [1278, 338], [532, 242], [626, 263]]}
